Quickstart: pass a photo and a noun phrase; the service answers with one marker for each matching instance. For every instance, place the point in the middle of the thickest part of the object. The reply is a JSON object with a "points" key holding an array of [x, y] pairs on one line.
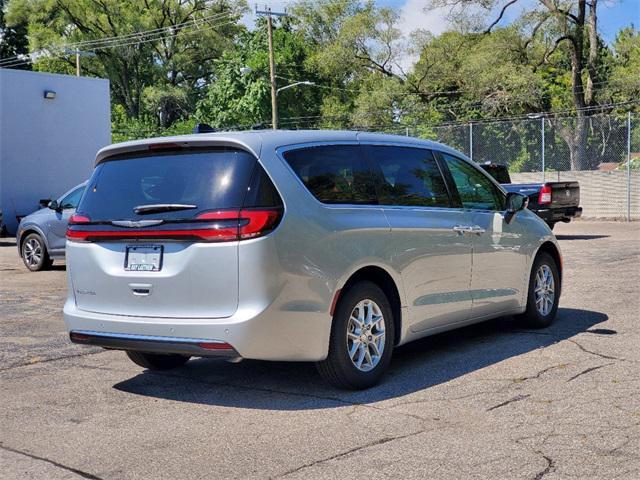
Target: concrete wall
{"points": [[602, 194], [48, 146]]}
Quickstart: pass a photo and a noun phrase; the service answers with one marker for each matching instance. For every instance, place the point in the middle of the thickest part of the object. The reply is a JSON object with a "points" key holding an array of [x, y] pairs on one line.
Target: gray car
{"points": [[41, 236], [324, 246]]}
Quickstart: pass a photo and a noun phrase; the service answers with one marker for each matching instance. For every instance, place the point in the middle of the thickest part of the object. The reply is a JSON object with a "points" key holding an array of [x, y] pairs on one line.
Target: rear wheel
{"points": [[544, 292], [154, 361], [361, 339], [34, 253]]}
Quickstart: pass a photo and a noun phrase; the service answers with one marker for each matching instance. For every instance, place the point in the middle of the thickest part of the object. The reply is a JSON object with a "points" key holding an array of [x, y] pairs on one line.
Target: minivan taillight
{"points": [[544, 197], [212, 226], [251, 223], [77, 218]]}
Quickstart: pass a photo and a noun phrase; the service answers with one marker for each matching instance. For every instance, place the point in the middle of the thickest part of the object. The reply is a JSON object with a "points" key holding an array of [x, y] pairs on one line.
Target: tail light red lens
{"points": [[258, 222], [544, 197], [250, 223], [221, 226], [77, 218]]}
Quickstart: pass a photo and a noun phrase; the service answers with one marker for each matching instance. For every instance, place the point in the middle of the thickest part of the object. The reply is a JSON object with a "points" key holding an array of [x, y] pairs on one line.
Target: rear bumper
{"points": [[559, 214], [271, 333], [148, 343]]}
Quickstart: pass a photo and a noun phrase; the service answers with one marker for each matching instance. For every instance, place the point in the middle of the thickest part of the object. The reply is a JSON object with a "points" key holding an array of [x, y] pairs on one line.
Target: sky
{"points": [[612, 15]]}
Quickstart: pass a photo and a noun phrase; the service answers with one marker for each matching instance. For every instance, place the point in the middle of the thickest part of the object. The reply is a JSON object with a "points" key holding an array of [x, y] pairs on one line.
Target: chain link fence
{"points": [[601, 152]]}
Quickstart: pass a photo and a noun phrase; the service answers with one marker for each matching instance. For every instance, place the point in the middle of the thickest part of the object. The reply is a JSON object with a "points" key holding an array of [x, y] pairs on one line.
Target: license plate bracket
{"points": [[143, 258]]}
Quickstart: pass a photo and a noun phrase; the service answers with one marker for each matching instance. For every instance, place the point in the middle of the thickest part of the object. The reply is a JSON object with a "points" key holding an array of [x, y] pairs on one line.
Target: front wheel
{"points": [[544, 292], [154, 361], [361, 341]]}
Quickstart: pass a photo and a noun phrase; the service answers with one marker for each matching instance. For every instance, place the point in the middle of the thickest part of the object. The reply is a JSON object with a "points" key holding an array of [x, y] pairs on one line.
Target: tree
{"points": [[624, 80], [13, 39], [187, 37], [567, 27], [236, 99]]}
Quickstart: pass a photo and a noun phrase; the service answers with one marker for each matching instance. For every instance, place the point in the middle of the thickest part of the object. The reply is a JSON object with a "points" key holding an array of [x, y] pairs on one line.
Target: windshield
{"points": [[142, 186]]}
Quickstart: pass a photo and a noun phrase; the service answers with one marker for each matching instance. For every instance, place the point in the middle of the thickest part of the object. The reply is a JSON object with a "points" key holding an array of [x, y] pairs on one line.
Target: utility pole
{"points": [[544, 179], [272, 63], [78, 54], [471, 141]]}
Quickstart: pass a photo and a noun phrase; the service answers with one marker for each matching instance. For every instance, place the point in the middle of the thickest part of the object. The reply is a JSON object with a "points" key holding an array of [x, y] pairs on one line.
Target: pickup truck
{"points": [[552, 201]]}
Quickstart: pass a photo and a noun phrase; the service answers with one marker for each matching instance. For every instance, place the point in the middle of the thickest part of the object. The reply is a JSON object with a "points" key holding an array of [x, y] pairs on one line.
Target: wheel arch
{"points": [[553, 250], [29, 229], [386, 282]]}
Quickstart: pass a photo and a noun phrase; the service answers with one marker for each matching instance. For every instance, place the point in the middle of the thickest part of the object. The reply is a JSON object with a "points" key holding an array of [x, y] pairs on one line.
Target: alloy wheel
{"points": [[544, 290], [366, 335], [32, 252]]}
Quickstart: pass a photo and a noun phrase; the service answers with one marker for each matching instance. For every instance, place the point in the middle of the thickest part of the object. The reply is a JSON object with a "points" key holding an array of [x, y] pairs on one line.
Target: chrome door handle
{"points": [[461, 229]]}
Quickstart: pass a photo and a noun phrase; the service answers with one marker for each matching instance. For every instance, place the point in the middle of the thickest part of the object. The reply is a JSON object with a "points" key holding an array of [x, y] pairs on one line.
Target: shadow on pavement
{"points": [[416, 366], [581, 237], [8, 242]]}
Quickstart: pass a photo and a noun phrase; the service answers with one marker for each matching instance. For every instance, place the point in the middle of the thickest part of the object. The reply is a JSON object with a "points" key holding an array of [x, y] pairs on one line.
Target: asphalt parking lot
{"points": [[491, 401]]}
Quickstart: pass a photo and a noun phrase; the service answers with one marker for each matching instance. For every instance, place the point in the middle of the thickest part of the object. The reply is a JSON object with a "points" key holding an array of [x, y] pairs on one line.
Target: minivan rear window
{"points": [[334, 173], [200, 179]]}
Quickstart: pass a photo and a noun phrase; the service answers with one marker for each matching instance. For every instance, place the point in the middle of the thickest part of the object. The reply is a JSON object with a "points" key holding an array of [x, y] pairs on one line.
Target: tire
{"points": [[154, 361], [535, 316], [338, 368], [34, 253]]}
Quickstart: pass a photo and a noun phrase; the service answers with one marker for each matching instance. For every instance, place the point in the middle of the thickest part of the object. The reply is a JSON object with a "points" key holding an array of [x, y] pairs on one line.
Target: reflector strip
{"points": [[215, 346]]}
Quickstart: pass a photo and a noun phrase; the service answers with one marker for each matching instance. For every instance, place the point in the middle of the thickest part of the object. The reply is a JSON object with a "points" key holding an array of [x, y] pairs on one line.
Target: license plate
{"points": [[143, 258]]}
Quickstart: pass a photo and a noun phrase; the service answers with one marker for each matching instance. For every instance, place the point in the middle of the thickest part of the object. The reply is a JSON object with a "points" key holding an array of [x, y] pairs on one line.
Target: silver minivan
{"points": [[324, 246]]}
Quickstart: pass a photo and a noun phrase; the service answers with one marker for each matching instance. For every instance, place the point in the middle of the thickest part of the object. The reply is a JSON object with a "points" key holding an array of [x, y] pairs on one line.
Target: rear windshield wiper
{"points": [[162, 207]]}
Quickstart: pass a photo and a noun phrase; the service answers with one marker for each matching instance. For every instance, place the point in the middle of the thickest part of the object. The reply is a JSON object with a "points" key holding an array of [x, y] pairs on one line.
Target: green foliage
{"points": [[237, 100], [13, 39], [180, 58], [124, 128]]}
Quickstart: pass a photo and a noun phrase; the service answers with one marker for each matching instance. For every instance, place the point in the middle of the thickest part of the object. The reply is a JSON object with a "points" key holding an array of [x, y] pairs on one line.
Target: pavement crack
{"points": [[511, 400], [597, 354], [53, 359], [81, 473], [381, 441], [551, 467], [540, 373], [588, 370]]}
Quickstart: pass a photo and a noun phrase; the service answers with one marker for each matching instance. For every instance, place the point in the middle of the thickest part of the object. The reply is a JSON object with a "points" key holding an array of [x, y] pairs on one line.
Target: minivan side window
{"points": [[476, 191], [72, 200], [408, 176], [333, 173]]}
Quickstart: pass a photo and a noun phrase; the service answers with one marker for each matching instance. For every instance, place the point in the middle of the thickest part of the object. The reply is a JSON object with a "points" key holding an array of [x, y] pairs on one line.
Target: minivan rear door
{"points": [[432, 254], [140, 245]]}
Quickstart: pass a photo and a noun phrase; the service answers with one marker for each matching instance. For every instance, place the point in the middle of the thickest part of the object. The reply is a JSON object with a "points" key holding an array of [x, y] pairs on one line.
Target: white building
{"points": [[51, 127]]}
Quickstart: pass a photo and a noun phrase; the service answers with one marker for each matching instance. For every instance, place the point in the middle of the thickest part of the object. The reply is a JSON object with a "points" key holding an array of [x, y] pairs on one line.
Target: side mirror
{"points": [[515, 202], [44, 202], [53, 205]]}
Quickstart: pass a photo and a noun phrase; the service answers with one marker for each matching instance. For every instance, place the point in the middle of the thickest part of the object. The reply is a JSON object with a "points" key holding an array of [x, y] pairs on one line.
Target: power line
{"points": [[549, 114], [127, 42], [118, 39]]}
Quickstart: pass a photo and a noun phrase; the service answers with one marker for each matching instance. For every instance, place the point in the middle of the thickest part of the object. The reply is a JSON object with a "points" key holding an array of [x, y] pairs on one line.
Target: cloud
{"points": [[414, 17]]}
